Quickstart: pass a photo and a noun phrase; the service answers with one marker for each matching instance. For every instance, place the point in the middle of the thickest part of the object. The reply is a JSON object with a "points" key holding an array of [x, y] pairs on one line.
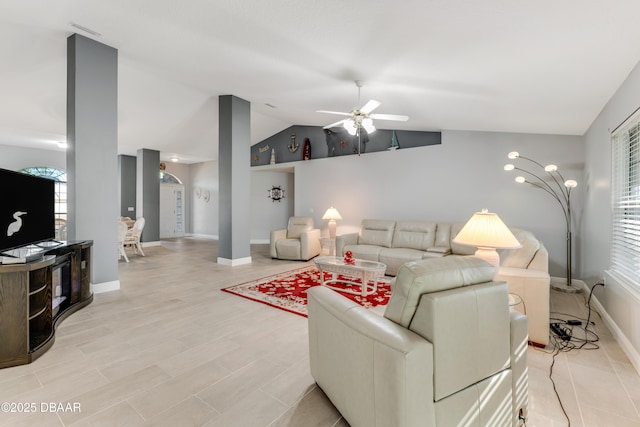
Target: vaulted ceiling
{"points": [[496, 65]]}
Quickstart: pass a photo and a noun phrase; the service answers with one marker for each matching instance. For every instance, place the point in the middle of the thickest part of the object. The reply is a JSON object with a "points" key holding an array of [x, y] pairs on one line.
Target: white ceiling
{"points": [[497, 65]]}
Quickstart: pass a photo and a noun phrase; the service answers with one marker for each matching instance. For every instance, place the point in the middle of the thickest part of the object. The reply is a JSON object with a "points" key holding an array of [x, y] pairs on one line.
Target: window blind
{"points": [[625, 183]]}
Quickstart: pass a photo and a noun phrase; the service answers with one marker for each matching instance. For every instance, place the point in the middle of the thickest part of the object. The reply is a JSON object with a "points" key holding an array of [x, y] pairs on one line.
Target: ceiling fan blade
{"points": [[332, 125], [333, 112], [395, 117], [370, 106]]}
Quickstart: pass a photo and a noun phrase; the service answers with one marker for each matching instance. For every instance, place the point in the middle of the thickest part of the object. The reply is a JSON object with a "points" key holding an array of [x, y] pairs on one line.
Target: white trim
{"points": [[234, 262], [149, 244], [618, 335], [202, 236], [99, 288], [260, 241]]}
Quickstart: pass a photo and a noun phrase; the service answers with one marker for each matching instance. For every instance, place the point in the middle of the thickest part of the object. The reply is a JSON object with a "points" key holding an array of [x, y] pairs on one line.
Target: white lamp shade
{"points": [[332, 213], [486, 229]]}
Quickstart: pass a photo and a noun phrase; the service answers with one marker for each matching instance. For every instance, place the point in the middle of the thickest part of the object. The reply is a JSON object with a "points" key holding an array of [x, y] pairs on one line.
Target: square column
{"points": [[234, 175], [92, 165]]}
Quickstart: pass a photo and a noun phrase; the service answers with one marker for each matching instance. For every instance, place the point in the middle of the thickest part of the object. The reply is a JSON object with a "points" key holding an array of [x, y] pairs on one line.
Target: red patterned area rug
{"points": [[288, 291]]}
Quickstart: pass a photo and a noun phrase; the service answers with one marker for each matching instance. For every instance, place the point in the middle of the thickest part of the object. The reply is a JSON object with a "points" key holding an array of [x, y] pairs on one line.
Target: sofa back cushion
{"points": [[457, 248], [376, 232], [520, 257], [418, 235], [432, 275], [298, 225], [443, 235]]}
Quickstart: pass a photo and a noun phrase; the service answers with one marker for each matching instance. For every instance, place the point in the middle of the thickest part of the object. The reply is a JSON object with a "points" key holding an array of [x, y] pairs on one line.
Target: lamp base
{"points": [[566, 287], [491, 256]]}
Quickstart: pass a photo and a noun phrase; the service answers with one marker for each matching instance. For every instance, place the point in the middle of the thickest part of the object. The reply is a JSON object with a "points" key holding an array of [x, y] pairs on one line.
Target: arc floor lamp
{"points": [[558, 188]]}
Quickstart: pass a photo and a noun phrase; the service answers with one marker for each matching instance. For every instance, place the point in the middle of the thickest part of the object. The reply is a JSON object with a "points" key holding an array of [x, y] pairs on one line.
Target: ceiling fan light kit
{"points": [[362, 117]]}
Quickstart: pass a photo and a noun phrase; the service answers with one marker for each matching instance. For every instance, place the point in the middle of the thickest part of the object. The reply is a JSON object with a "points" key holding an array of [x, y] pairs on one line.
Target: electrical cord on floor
{"points": [[564, 340]]}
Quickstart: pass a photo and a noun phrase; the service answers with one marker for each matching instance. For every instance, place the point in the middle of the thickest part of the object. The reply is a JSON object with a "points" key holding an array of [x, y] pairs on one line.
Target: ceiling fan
{"points": [[362, 117]]}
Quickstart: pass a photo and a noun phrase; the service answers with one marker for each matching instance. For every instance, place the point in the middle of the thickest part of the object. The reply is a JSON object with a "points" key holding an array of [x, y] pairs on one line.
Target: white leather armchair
{"points": [[448, 351], [299, 241]]}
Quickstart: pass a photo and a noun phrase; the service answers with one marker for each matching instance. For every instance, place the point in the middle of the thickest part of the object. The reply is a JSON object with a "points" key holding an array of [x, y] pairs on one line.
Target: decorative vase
{"points": [[306, 150]]}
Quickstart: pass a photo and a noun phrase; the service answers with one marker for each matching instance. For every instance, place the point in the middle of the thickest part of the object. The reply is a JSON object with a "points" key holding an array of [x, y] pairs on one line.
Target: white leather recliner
{"points": [[299, 241], [448, 351]]}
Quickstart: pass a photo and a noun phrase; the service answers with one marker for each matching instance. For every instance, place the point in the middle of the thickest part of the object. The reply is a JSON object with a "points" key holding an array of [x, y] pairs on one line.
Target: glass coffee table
{"points": [[367, 271]]}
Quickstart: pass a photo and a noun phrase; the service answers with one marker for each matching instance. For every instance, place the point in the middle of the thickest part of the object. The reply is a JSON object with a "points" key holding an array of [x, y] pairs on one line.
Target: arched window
{"points": [[60, 177], [169, 178]]}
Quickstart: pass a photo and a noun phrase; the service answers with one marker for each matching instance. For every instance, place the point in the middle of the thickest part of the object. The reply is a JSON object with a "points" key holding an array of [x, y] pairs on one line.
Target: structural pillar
{"points": [[234, 176], [92, 138], [127, 185], [148, 194]]}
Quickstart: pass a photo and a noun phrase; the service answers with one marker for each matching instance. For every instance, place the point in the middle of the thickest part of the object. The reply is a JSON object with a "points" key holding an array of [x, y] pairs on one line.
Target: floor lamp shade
{"points": [[332, 215], [487, 232]]}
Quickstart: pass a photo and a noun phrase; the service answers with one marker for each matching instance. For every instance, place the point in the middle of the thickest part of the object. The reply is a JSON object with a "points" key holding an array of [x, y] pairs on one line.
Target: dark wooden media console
{"points": [[35, 297]]}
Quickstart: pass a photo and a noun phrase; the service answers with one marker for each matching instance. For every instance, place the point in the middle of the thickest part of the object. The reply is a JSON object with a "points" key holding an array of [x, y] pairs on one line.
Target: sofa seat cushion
{"points": [[395, 257], [368, 252], [288, 248], [418, 235], [432, 275], [376, 232]]}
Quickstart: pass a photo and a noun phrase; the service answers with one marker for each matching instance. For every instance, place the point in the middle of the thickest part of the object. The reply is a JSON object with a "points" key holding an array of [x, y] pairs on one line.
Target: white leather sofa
{"points": [[299, 241], [448, 351], [526, 269]]}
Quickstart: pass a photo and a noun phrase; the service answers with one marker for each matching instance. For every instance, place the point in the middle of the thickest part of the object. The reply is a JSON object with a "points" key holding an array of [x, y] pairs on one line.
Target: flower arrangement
{"points": [[348, 258]]}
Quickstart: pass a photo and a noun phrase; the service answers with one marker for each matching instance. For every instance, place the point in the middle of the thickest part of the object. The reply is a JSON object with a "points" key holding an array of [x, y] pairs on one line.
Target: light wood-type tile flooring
{"points": [[169, 348]]}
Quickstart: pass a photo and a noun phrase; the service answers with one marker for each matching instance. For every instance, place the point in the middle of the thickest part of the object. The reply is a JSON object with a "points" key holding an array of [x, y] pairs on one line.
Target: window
{"points": [[60, 203], [625, 191], [169, 178]]}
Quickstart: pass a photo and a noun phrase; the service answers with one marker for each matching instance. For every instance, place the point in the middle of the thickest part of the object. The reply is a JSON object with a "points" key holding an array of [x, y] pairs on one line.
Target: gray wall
{"points": [[447, 182], [622, 303], [267, 215], [127, 185], [148, 193]]}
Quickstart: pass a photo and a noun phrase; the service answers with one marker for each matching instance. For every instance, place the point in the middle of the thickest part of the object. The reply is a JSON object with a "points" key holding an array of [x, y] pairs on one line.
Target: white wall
{"points": [[203, 216], [16, 158], [621, 304], [447, 182]]}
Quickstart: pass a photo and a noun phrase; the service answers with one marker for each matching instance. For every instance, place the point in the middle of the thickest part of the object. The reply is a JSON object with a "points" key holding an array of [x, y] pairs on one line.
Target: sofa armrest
{"points": [[532, 286], [274, 236], [344, 240], [371, 368], [520, 375], [310, 244], [540, 260]]}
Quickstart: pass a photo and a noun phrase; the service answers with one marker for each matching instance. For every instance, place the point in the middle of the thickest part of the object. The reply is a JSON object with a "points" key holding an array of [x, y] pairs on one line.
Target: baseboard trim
{"points": [[149, 244], [618, 335], [203, 236], [100, 288], [260, 241], [234, 262]]}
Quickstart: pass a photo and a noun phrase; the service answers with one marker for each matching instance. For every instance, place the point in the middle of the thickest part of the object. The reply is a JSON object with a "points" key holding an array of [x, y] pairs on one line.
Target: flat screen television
{"points": [[27, 213]]}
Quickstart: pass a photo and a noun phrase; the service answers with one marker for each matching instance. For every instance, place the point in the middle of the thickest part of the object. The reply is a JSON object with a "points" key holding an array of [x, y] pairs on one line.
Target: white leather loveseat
{"points": [[526, 270], [448, 351]]}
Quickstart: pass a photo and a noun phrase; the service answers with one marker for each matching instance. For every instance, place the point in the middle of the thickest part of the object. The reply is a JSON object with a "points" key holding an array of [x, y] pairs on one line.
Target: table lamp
{"points": [[332, 215], [487, 232]]}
